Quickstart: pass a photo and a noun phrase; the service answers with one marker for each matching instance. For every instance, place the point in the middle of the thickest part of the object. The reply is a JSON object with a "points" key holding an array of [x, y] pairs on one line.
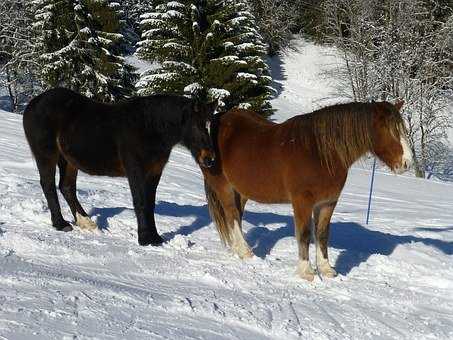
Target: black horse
{"points": [[133, 138]]}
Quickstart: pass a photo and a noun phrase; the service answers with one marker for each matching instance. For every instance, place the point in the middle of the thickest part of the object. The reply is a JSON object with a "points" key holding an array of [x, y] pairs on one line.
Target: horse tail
{"points": [[217, 214]]}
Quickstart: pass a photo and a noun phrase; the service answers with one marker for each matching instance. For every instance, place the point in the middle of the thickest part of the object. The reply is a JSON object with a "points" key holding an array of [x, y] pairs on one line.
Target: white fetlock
{"points": [[243, 251], [240, 246], [305, 271], [326, 270], [85, 223]]}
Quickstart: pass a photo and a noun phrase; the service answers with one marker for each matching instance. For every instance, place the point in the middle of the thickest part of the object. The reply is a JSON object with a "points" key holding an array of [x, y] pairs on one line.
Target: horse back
{"points": [[83, 131]]}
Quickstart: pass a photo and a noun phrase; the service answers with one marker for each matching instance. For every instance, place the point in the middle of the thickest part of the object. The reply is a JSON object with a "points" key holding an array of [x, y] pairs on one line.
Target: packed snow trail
{"points": [[395, 275]]}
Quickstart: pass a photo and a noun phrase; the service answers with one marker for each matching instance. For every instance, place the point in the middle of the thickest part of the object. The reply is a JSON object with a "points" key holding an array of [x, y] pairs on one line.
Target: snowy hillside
{"points": [[395, 275]]}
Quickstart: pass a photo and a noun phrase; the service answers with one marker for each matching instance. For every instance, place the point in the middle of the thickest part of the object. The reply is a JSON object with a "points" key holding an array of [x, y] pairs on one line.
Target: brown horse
{"points": [[303, 161]]}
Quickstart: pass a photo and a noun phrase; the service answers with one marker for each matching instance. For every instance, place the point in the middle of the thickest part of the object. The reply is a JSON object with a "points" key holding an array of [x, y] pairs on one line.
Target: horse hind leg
{"points": [[241, 201], [41, 137], [47, 167], [67, 186], [227, 215], [322, 216]]}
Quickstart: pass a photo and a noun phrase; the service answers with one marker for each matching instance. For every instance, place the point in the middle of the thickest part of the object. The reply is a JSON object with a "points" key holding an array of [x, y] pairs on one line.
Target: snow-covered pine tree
{"points": [[126, 27], [208, 45], [135, 8], [17, 57], [77, 44]]}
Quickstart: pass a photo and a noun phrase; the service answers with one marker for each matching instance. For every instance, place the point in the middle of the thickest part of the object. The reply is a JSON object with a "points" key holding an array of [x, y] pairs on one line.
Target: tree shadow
{"points": [[355, 242], [5, 104], [278, 73]]}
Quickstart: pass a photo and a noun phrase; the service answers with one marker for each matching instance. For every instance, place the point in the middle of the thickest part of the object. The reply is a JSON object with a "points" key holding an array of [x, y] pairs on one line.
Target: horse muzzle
{"points": [[405, 165], [206, 159]]}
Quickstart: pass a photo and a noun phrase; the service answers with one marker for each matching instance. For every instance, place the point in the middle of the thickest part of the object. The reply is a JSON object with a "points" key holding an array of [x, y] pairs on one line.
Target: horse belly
{"points": [[271, 195], [92, 157], [255, 178]]}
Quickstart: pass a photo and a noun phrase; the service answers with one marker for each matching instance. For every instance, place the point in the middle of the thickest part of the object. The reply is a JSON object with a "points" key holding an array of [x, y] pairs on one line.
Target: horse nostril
{"points": [[208, 162]]}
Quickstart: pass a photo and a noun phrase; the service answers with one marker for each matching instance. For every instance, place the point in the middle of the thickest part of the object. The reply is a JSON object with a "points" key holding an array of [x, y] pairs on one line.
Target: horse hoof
{"points": [[152, 241], [307, 276], [326, 270], [328, 273], [65, 229], [63, 226], [305, 271], [85, 223], [247, 254]]}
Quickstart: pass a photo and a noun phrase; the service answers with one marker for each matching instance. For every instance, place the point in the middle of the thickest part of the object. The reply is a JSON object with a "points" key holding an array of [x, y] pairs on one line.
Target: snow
{"points": [[173, 14], [301, 79], [193, 89], [395, 275]]}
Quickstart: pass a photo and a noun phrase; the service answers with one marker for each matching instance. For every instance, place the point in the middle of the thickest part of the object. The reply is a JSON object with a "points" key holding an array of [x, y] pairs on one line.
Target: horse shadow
{"points": [[103, 215], [355, 242], [200, 213]]}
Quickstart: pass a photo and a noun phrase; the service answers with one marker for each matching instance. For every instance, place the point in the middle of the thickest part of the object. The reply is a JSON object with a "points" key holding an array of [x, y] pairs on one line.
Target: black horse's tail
{"points": [[29, 122], [217, 214], [40, 127]]}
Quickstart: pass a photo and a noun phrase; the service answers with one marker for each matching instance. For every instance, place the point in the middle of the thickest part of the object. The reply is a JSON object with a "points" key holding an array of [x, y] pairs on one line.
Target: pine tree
{"points": [[78, 45], [135, 8], [127, 26], [210, 46]]}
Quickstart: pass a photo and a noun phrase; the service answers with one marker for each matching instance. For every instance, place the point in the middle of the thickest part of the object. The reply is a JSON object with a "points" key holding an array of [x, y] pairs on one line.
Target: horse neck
{"points": [[168, 122], [339, 137]]}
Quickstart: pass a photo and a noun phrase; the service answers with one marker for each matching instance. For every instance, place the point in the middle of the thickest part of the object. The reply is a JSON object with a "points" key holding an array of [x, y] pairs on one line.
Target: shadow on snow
{"points": [[355, 242]]}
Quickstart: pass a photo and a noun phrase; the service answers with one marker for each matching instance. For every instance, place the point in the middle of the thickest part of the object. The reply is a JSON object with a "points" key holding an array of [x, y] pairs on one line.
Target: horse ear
{"points": [[213, 106], [399, 104]]}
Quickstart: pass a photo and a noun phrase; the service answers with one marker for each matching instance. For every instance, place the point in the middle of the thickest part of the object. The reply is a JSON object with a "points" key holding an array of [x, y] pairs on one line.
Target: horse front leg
{"points": [[303, 222], [143, 190], [150, 234], [322, 216]]}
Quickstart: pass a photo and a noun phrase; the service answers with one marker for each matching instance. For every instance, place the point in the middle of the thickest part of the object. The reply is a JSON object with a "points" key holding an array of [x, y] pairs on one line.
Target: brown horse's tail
{"points": [[217, 214]]}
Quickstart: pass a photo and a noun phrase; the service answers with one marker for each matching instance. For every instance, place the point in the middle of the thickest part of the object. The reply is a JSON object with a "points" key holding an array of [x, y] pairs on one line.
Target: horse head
{"points": [[390, 142], [197, 135]]}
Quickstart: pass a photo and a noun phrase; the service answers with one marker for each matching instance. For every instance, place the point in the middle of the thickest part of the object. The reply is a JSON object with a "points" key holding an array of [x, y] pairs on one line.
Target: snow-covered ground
{"points": [[395, 281], [302, 82]]}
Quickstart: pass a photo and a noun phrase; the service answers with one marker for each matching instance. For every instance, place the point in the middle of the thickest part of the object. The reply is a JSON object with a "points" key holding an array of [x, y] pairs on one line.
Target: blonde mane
{"points": [[345, 131]]}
